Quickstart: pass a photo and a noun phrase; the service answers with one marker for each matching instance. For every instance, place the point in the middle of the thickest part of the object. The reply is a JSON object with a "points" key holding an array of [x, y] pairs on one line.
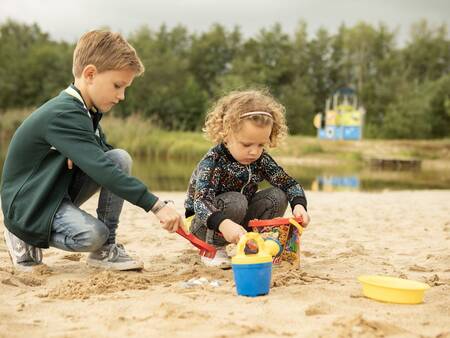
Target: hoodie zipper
{"points": [[249, 178]]}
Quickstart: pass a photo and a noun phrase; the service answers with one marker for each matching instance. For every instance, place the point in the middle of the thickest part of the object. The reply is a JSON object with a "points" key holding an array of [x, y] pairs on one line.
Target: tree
{"points": [[167, 93], [299, 103], [265, 61], [428, 52], [319, 50], [211, 55], [16, 41], [440, 108]]}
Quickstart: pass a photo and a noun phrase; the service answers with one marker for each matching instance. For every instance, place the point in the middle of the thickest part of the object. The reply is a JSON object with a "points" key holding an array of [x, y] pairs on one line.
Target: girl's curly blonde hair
{"points": [[225, 116]]}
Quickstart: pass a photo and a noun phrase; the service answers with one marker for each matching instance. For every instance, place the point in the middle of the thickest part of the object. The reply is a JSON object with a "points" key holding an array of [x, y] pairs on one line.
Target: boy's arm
{"points": [[205, 193], [276, 176], [71, 133]]}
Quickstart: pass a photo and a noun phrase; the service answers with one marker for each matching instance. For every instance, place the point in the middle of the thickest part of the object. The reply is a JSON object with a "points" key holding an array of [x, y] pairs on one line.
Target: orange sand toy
{"points": [[287, 232]]}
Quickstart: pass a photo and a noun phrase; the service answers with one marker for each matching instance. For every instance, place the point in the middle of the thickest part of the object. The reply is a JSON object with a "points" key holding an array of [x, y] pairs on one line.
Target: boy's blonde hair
{"points": [[106, 51], [225, 116]]}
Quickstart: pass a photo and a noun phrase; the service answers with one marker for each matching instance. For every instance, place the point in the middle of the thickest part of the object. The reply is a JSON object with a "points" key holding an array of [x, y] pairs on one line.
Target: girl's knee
{"points": [[276, 201], [122, 158], [279, 196], [234, 204]]}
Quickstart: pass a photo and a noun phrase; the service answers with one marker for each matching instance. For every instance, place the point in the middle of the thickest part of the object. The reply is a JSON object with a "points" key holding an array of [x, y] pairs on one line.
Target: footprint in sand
{"points": [[307, 253], [320, 308], [73, 257], [435, 280], [105, 282], [419, 268], [358, 326], [355, 248], [446, 227], [171, 310]]}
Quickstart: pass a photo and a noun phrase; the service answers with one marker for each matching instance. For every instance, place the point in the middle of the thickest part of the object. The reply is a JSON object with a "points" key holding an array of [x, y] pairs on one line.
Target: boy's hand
{"points": [[231, 231], [169, 218], [299, 211]]}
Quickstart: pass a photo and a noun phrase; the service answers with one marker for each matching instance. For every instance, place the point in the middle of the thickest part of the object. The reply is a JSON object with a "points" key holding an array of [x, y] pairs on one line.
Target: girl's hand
{"points": [[169, 218], [299, 211], [231, 231]]}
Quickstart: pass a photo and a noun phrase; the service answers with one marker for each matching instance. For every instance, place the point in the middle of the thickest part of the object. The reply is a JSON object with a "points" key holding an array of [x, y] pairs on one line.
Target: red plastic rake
{"points": [[205, 249]]}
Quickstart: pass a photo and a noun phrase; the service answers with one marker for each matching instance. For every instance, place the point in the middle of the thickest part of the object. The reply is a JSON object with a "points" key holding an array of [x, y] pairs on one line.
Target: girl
{"points": [[222, 192]]}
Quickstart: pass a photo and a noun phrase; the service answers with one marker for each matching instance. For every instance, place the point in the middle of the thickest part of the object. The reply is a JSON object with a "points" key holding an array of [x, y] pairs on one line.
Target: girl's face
{"points": [[247, 144]]}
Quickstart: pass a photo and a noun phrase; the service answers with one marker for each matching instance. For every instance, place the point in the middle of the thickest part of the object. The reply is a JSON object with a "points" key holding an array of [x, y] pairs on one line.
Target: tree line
{"points": [[404, 89]]}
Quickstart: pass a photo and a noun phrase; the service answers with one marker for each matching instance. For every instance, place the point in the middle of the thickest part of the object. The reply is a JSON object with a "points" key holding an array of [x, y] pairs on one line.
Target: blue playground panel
{"points": [[339, 133], [351, 133], [337, 182]]}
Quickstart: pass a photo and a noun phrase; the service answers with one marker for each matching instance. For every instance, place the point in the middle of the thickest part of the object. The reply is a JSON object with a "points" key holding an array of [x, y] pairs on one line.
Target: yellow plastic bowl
{"points": [[393, 290]]}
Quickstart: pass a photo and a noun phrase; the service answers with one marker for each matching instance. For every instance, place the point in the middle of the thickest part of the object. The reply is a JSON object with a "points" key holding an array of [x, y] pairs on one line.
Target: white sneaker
{"points": [[220, 260]]}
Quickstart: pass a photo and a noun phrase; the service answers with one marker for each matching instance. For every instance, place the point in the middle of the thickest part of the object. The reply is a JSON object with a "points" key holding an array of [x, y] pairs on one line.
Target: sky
{"points": [[65, 20]]}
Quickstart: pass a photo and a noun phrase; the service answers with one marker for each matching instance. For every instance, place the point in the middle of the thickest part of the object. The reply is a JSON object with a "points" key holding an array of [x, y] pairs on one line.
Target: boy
{"points": [[59, 157]]}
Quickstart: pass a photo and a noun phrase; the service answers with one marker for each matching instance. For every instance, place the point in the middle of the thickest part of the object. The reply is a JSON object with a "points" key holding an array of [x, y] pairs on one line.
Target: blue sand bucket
{"points": [[252, 279], [253, 272]]}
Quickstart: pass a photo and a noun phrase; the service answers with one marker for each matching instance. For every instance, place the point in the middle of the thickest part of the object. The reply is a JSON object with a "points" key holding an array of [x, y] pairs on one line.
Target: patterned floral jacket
{"points": [[218, 172]]}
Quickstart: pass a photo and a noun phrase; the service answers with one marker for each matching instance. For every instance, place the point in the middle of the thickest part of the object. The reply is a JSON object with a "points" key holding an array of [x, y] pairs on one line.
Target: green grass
{"points": [[142, 139]]}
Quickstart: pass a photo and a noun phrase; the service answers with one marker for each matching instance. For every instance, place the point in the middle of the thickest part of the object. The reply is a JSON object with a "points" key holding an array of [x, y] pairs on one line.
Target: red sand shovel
{"points": [[206, 249]]}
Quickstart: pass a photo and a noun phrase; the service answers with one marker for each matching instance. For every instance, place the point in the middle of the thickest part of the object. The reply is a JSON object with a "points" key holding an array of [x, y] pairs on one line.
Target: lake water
{"points": [[173, 175]]}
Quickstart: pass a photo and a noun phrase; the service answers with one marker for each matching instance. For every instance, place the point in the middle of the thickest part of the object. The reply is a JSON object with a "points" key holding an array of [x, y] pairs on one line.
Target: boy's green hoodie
{"points": [[35, 174]]}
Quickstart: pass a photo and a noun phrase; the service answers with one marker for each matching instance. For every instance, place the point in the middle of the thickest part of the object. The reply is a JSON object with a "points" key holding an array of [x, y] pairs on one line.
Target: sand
{"points": [[403, 234]]}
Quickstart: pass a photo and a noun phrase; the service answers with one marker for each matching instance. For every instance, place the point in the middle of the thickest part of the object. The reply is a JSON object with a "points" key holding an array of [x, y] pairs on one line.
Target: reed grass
{"points": [[142, 139]]}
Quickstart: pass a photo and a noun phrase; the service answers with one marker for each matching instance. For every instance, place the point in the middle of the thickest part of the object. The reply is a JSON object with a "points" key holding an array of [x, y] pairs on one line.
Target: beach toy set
{"points": [[278, 239], [287, 231], [253, 272]]}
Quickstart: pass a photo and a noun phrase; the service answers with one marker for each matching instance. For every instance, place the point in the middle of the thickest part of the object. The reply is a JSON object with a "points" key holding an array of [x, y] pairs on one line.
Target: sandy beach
{"points": [[402, 234]]}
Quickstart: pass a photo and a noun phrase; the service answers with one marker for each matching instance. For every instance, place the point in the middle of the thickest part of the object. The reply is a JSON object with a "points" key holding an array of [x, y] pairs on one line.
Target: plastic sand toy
{"points": [[286, 231], [253, 272], [392, 289]]}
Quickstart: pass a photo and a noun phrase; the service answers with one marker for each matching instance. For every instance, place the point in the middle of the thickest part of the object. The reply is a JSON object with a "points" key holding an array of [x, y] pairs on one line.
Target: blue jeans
{"points": [[74, 229], [266, 204]]}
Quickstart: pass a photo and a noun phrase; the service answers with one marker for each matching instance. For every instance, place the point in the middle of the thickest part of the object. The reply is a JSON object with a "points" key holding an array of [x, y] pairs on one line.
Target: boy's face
{"points": [[106, 89], [247, 144]]}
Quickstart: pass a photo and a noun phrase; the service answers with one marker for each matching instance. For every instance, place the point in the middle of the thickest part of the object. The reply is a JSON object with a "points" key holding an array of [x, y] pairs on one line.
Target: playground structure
{"points": [[343, 119]]}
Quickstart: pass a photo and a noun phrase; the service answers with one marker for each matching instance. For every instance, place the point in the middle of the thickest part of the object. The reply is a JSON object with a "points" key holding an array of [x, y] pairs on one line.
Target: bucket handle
{"points": [[248, 236], [297, 225]]}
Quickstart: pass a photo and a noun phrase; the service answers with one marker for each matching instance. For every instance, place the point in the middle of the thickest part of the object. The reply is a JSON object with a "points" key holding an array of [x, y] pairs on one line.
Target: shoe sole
{"points": [[223, 266], [16, 265], [114, 266]]}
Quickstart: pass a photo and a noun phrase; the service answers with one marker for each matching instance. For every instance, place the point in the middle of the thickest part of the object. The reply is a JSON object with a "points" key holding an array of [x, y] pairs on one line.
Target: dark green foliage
{"points": [[405, 90], [32, 67]]}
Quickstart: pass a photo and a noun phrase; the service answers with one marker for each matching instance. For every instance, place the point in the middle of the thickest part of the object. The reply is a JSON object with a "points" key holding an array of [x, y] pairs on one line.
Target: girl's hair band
{"points": [[254, 113]]}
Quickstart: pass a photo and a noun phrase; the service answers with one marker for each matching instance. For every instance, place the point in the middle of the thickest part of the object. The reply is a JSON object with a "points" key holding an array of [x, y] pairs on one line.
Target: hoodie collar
{"points": [[226, 152], [75, 92]]}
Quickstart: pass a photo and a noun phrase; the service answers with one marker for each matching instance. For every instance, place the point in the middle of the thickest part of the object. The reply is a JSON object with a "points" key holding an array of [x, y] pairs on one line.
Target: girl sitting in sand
{"points": [[223, 190]]}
